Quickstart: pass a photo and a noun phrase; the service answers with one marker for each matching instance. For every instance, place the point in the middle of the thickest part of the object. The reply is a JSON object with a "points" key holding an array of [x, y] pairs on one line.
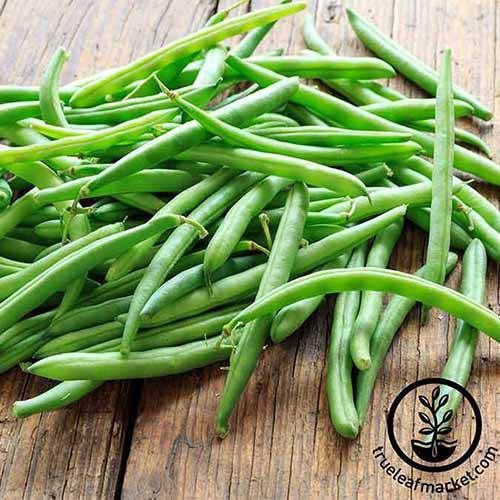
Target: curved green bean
{"points": [[380, 280], [408, 65], [339, 363], [50, 104]]}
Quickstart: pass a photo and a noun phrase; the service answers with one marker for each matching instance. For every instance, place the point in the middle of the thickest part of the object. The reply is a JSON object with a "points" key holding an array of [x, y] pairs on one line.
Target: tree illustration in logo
{"points": [[435, 448]]}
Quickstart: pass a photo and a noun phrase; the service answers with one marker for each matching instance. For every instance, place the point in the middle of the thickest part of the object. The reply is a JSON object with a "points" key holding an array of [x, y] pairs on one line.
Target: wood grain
{"points": [[155, 439]]}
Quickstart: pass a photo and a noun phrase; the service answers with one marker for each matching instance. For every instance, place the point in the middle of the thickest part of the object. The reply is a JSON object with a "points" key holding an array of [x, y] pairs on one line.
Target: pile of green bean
{"points": [[194, 205]]}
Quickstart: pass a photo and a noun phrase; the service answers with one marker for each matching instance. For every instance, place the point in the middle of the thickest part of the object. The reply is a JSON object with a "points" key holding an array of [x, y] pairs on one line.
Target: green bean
{"points": [[478, 228], [12, 112], [375, 174], [380, 280], [352, 117], [244, 284], [168, 145], [177, 244], [253, 337], [366, 93], [114, 366], [315, 194], [250, 42], [21, 351], [193, 278], [184, 202], [22, 136], [13, 263], [383, 199], [286, 121], [86, 170], [329, 136], [50, 105], [274, 215], [364, 68], [370, 306], [113, 212], [236, 221], [13, 215], [42, 215], [461, 135], [204, 38], [6, 270], [78, 340], [176, 334], [212, 68], [58, 132], [16, 93], [127, 284], [147, 202], [234, 97], [149, 86], [119, 112], [60, 396], [339, 365], [303, 116], [305, 67], [438, 245], [74, 266], [408, 65], [181, 332], [147, 181], [88, 316], [277, 165], [409, 110], [24, 329], [464, 342], [93, 141], [19, 249], [289, 319], [40, 175], [194, 167]]}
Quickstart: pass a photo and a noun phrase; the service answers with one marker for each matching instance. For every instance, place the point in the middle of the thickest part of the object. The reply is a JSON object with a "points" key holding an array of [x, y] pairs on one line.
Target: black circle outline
{"points": [[397, 401]]}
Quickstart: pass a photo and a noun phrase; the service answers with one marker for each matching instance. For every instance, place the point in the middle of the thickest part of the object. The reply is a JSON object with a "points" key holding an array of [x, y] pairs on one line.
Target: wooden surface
{"points": [[155, 439]]}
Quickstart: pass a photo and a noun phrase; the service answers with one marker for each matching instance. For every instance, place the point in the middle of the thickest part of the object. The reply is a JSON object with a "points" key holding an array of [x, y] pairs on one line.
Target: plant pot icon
{"points": [[433, 451], [436, 447]]}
